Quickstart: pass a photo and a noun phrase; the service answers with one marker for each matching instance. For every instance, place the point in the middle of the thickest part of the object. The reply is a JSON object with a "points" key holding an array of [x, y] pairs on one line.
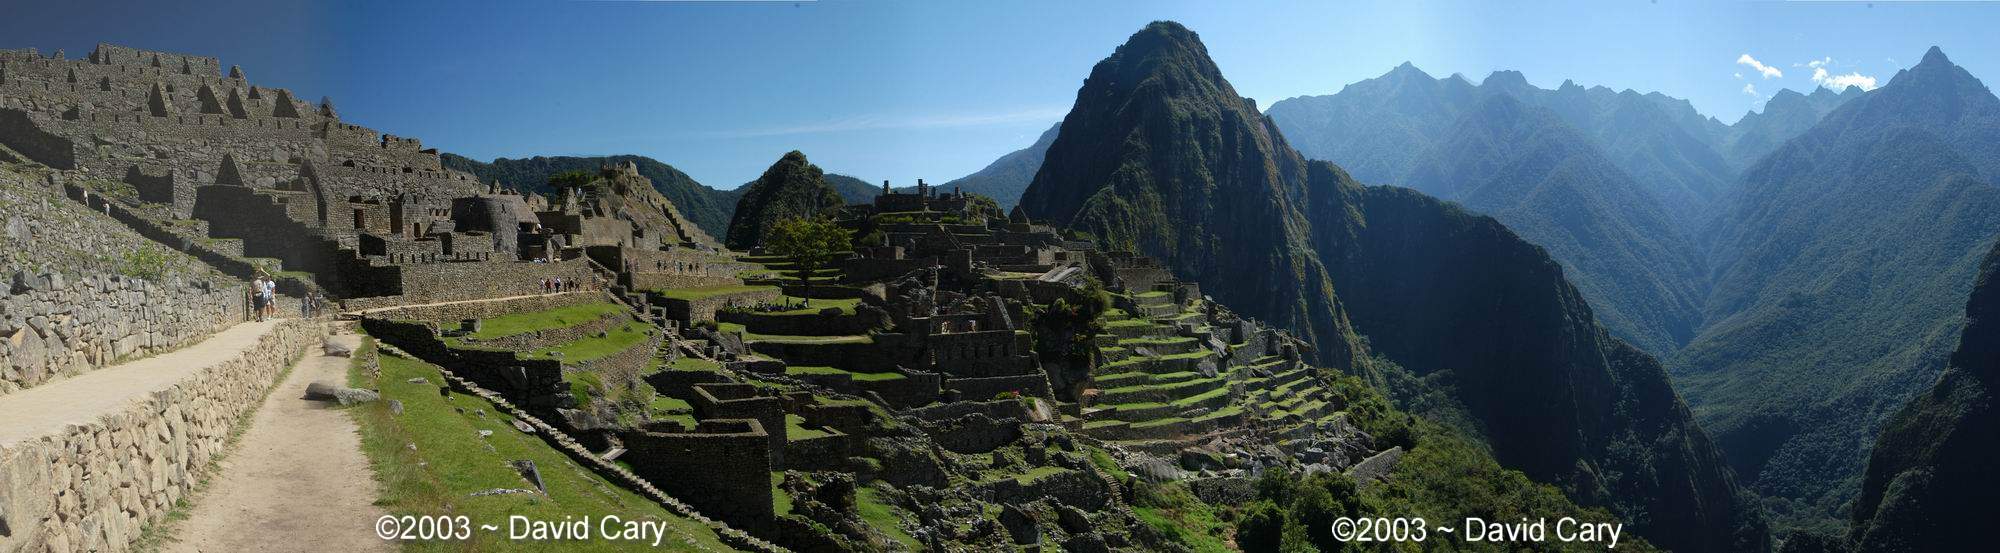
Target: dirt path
{"points": [[296, 481]]}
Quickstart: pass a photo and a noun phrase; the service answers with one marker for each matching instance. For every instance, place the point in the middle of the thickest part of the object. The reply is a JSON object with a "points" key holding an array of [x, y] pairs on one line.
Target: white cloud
{"points": [[1738, 75], [1841, 82], [1750, 88], [1765, 70], [1823, 75]]}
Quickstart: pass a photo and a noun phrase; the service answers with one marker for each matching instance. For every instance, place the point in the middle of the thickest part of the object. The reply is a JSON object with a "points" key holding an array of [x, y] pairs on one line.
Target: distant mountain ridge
{"points": [[1160, 155], [1006, 178], [708, 207], [1839, 268]]}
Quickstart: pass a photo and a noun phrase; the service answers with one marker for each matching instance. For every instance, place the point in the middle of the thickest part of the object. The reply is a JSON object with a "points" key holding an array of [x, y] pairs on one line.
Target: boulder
{"points": [[336, 349], [326, 391], [1020, 525], [355, 396]]}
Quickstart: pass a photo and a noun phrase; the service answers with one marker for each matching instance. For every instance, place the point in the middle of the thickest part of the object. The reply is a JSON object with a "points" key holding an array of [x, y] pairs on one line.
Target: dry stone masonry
{"points": [[92, 487]]}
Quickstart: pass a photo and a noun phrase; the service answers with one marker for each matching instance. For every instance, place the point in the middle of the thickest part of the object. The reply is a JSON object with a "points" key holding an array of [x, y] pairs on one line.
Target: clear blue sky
{"points": [[901, 90]]}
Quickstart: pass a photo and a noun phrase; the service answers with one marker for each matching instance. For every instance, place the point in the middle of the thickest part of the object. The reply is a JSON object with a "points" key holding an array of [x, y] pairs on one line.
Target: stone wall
{"points": [[538, 339], [742, 401], [693, 311], [92, 487], [619, 369], [534, 383], [79, 290], [723, 469], [814, 324], [1034, 385], [483, 309]]}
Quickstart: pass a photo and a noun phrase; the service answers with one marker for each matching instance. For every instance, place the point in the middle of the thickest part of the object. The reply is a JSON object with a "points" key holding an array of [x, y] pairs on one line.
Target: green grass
{"points": [[795, 429], [858, 376], [755, 337], [705, 292], [451, 461], [1175, 512], [671, 404], [781, 502], [561, 317], [879, 515], [616, 340], [1110, 466], [1127, 323], [686, 363]]}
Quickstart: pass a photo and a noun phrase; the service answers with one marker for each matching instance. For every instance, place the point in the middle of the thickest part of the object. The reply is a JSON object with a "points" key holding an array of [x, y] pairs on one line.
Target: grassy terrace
{"points": [[685, 363], [705, 292], [561, 317], [616, 340], [879, 515], [780, 338], [796, 429], [450, 461], [1128, 323], [858, 376], [1156, 341], [1127, 364], [813, 306], [1031, 475]]}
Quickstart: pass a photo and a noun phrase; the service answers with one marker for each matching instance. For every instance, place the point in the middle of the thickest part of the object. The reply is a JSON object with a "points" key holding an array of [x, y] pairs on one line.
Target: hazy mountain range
{"points": [[1801, 268], [1160, 155]]}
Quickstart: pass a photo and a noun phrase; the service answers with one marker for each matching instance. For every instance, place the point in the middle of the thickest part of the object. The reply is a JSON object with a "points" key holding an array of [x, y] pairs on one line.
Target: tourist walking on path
{"points": [[257, 296]]}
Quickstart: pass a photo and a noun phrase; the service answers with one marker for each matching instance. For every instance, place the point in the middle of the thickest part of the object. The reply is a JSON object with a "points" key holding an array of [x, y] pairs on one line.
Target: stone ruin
{"points": [[255, 172]]}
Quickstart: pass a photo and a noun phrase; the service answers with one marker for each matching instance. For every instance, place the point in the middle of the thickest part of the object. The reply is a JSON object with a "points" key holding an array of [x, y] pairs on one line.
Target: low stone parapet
{"points": [[94, 486]]}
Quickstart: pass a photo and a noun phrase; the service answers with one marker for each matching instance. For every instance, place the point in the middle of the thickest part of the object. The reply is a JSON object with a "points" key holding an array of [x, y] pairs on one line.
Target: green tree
{"points": [[809, 243], [1262, 528], [570, 179]]}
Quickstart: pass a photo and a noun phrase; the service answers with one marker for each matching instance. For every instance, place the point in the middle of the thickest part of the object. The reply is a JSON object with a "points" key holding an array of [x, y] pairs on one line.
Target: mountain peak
{"points": [[1506, 78], [1935, 55], [1408, 70]]}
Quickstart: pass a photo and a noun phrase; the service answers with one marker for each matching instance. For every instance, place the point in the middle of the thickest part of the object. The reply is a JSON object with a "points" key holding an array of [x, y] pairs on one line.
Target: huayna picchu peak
{"points": [[1381, 280], [845, 277]]}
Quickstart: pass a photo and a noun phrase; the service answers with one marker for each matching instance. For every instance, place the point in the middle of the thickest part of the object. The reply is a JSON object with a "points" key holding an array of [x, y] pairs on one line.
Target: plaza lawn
{"points": [[450, 461], [561, 317], [618, 339]]}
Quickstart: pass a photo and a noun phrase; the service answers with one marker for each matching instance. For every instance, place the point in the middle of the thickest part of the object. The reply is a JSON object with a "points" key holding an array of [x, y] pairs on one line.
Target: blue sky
{"points": [[902, 90]]}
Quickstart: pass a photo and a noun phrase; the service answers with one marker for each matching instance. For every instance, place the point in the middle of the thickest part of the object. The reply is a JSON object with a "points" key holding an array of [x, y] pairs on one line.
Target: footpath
{"points": [[296, 481]]}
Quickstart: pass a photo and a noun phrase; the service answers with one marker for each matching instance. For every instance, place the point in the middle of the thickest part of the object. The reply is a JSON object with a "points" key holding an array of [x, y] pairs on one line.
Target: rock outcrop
{"points": [[1930, 483]]}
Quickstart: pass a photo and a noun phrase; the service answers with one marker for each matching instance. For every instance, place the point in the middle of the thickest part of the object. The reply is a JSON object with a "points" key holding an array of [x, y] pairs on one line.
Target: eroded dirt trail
{"points": [[296, 481]]}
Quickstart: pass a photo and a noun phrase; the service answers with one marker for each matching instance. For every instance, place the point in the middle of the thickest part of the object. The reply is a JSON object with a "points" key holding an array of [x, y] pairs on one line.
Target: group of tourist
{"points": [[264, 296], [559, 284]]}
